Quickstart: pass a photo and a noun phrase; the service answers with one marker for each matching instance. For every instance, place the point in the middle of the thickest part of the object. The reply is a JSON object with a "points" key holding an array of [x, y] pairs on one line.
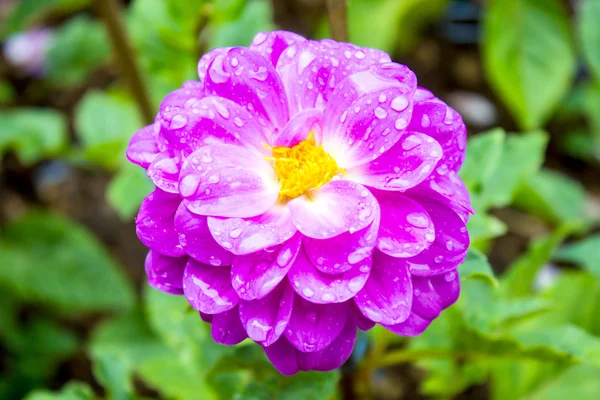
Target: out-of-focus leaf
{"points": [[127, 189], [519, 37], [580, 144], [484, 152], [26, 12], [589, 34], [58, 263], [585, 253], [553, 196], [33, 133], [521, 158], [476, 266], [579, 382], [302, 386], [77, 48], [104, 125], [483, 227], [515, 379], [71, 391], [256, 17], [226, 10], [7, 92]]}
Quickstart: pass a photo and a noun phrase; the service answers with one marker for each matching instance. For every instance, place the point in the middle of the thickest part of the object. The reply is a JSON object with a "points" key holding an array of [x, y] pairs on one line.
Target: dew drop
{"points": [[399, 103], [380, 112]]}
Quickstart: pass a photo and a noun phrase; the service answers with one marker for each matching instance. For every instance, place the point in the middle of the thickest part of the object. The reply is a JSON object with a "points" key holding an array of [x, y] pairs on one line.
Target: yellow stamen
{"points": [[302, 168]]}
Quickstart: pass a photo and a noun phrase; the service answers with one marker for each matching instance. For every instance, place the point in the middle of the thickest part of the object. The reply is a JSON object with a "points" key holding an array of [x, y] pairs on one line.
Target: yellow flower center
{"points": [[302, 168]]}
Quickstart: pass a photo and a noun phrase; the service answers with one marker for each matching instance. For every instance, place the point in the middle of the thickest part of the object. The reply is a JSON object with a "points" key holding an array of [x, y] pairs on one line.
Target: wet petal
{"points": [[387, 295], [448, 189], [228, 181], [337, 207], [406, 164], [207, 59], [322, 288], [164, 171], [334, 355], [311, 70], [298, 128], [312, 327], [370, 117], [142, 148], [265, 320], [362, 322], [196, 239], [165, 273], [255, 275], [271, 44], [247, 235], [206, 317], [154, 223], [449, 248], [413, 326], [208, 289], [434, 294], [250, 80], [406, 228], [283, 356], [227, 329]]}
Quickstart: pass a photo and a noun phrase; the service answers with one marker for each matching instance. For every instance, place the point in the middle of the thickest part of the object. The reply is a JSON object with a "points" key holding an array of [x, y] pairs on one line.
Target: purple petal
{"points": [[165, 273], [298, 128], [371, 115], [283, 356], [406, 228], [142, 148], [208, 318], [337, 207], [362, 322], [334, 355], [271, 44], [228, 181], [409, 162], [250, 80], [208, 289], [206, 60], [449, 248], [322, 288], [387, 295], [312, 327], [311, 70], [164, 171], [227, 329], [266, 319], [413, 326], [247, 235], [154, 223], [196, 239], [449, 189], [255, 275]]}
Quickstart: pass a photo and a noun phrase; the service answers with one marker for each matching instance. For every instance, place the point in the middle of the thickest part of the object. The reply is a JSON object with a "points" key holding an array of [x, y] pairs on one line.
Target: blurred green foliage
{"points": [[527, 338]]}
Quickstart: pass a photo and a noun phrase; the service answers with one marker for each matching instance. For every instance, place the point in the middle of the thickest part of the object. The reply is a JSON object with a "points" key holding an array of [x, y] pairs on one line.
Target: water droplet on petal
{"points": [[399, 103], [380, 112]]}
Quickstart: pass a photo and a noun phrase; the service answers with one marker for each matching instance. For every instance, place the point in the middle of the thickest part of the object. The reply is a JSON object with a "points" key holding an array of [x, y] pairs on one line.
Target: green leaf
{"points": [[484, 152], [104, 125], [585, 253], [58, 263], [7, 93], [33, 133], [515, 379], [553, 196], [302, 386], [483, 227], [520, 37], [589, 34], [579, 382], [26, 13], [127, 189], [77, 49], [71, 391], [256, 17], [476, 266]]}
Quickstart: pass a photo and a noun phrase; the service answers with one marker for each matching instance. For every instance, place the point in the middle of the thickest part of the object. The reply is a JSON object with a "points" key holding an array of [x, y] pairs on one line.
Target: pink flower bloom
{"points": [[28, 50], [304, 189]]}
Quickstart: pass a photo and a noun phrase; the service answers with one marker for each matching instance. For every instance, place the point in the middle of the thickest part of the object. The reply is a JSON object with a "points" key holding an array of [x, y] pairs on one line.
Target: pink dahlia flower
{"points": [[303, 190]]}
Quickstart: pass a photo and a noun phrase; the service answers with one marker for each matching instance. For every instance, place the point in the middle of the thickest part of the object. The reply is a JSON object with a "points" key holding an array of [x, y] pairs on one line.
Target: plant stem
{"points": [[338, 21], [109, 12]]}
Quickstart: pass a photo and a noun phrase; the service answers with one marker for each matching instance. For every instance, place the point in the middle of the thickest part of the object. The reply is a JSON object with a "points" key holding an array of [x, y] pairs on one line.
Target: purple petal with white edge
{"points": [[449, 248], [434, 294], [164, 171], [142, 148], [154, 223], [206, 60], [228, 181], [271, 44], [226, 328], [247, 235], [250, 80], [265, 320], [312, 327], [334, 355], [400, 73], [370, 117], [283, 356], [298, 128], [406, 228], [311, 70], [406, 164], [387, 296], [337, 207], [196, 239], [413, 326], [165, 273], [208, 289], [449, 189], [255, 275], [343, 252], [321, 288]]}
